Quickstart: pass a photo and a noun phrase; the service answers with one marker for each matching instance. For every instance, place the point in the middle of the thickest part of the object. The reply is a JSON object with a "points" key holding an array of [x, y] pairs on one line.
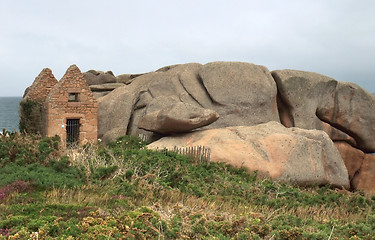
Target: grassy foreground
{"points": [[123, 191]]}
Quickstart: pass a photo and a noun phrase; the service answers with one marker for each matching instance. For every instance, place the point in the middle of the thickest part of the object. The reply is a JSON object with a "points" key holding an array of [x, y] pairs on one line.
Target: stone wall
{"points": [[41, 86], [32, 110], [59, 108]]}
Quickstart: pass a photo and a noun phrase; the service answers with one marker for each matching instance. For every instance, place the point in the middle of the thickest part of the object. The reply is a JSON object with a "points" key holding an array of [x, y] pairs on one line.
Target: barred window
{"points": [[73, 97]]}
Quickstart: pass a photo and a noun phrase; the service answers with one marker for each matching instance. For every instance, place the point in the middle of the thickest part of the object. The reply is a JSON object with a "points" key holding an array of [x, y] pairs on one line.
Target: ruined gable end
{"points": [[41, 86], [32, 109]]}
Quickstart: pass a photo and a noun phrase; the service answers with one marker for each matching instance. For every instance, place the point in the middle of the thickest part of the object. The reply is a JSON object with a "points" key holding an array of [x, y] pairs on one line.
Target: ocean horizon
{"points": [[9, 113]]}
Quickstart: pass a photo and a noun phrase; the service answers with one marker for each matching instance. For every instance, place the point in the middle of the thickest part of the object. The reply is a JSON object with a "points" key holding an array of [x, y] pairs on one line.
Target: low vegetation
{"points": [[124, 191]]}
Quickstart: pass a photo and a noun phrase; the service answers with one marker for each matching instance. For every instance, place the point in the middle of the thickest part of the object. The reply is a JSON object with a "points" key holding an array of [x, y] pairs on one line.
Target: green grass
{"points": [[124, 191]]}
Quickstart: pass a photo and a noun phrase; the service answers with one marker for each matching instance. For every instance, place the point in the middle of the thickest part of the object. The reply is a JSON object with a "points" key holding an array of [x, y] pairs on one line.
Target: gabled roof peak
{"points": [[41, 86], [72, 72], [73, 68], [46, 70]]}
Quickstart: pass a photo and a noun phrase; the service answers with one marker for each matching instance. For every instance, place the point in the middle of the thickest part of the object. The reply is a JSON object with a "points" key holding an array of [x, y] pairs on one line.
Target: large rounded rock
{"points": [[311, 101], [114, 113], [241, 93], [244, 93], [127, 78], [365, 178], [353, 111], [361, 167], [304, 157], [93, 77], [177, 118], [353, 158], [120, 109], [105, 87], [98, 95]]}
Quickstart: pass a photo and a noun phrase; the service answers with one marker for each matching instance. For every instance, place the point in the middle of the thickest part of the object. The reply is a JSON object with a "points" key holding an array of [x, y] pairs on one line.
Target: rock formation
{"points": [[127, 78], [101, 90], [313, 101], [241, 93], [352, 157], [93, 77], [244, 94], [177, 118], [304, 157], [361, 167], [230, 97], [365, 178], [101, 83]]}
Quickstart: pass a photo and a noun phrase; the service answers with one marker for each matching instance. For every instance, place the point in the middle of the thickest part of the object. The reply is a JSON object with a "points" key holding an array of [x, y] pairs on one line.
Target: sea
{"points": [[9, 113]]}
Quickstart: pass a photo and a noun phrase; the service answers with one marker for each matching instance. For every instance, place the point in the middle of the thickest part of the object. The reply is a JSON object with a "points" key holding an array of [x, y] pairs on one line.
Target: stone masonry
{"points": [[38, 92], [62, 101], [60, 107], [41, 86]]}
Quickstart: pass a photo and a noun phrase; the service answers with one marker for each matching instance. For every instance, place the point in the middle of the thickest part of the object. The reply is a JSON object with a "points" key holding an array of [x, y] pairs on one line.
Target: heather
{"points": [[124, 191]]}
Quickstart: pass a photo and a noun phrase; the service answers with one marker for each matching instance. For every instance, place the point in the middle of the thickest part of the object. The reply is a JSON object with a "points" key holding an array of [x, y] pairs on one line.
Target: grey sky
{"points": [[332, 37]]}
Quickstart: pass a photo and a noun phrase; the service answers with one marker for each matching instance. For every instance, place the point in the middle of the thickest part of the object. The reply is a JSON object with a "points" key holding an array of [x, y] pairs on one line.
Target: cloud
{"points": [[329, 37]]}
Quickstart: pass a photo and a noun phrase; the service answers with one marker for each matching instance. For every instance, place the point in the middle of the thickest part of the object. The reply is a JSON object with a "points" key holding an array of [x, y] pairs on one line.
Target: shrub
{"points": [[103, 172], [5, 232], [183, 198], [61, 165], [42, 177], [26, 149], [17, 186], [31, 117], [126, 142]]}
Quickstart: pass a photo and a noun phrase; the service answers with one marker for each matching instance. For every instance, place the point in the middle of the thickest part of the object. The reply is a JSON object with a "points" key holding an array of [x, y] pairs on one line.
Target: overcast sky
{"points": [[332, 37]]}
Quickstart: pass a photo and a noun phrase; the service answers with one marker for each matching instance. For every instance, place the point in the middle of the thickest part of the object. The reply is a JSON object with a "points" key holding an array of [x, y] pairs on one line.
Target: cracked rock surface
{"points": [[313, 101], [241, 94], [303, 157], [177, 118]]}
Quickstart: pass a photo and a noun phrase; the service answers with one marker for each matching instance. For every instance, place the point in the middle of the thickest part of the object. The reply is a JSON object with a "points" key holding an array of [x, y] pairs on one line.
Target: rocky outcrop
{"points": [[177, 118], [98, 95], [365, 178], [361, 167], [127, 78], [107, 87], [245, 93], [93, 77], [353, 158], [103, 89], [313, 101], [241, 93], [304, 157]]}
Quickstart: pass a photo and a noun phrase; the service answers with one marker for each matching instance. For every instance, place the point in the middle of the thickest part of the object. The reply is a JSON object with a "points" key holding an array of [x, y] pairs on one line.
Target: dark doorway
{"points": [[72, 132]]}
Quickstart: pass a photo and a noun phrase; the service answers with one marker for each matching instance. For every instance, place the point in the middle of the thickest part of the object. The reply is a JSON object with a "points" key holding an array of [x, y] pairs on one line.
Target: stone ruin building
{"points": [[66, 108]]}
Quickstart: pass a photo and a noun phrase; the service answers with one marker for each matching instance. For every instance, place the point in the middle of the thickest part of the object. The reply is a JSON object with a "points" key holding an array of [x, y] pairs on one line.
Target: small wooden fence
{"points": [[144, 138], [199, 154]]}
